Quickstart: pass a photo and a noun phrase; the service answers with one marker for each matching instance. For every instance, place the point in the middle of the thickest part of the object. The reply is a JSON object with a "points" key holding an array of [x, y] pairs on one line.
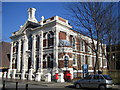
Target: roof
{"points": [[5, 54]]}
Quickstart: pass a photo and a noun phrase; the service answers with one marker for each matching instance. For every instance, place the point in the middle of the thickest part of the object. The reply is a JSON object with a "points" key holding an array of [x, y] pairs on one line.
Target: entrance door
{"points": [[49, 62]]}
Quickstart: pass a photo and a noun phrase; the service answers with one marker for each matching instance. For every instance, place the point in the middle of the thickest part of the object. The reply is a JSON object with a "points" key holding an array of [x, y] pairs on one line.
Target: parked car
{"points": [[95, 81]]}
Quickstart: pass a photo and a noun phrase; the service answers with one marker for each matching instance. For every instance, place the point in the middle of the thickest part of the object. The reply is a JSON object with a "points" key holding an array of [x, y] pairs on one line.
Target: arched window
{"points": [[37, 42], [49, 62], [82, 45], [66, 61], [30, 42], [73, 43], [50, 39]]}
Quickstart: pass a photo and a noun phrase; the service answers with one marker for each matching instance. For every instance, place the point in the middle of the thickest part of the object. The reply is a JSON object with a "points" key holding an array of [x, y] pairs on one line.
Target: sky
{"points": [[14, 14]]}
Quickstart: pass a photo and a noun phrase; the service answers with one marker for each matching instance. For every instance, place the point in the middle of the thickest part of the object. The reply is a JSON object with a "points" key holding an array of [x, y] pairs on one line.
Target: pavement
{"points": [[41, 83]]}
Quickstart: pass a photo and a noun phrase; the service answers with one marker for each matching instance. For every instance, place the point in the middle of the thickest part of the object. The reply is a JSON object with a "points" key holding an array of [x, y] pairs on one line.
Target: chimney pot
{"points": [[31, 14]]}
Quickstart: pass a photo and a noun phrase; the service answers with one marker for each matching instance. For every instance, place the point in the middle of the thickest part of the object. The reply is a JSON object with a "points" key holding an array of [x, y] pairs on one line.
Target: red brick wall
{"points": [[60, 55], [61, 63], [62, 35], [70, 64]]}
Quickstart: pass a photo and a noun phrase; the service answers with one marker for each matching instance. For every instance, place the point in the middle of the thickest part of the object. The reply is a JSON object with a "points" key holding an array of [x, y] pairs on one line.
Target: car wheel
{"points": [[77, 86], [102, 87]]}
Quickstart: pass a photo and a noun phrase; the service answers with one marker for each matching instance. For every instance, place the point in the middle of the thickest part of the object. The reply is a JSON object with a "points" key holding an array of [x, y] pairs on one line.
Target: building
{"points": [[113, 56], [4, 57], [50, 47]]}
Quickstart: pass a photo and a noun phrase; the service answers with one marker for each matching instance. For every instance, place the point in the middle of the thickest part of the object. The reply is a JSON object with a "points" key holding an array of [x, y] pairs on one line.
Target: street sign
{"points": [[85, 68]]}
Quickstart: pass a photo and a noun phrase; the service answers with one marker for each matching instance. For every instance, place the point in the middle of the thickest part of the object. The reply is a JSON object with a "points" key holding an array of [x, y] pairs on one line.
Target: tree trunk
{"points": [[96, 62]]}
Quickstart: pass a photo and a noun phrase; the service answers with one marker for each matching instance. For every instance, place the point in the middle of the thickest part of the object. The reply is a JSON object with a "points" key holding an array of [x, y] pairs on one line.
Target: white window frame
{"points": [[75, 57]]}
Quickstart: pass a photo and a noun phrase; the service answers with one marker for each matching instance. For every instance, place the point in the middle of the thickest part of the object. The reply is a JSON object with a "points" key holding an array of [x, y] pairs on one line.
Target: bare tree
{"points": [[91, 19]]}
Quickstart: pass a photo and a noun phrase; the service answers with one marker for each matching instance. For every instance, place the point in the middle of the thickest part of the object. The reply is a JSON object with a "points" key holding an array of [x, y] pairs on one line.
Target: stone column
{"points": [[24, 58], [41, 52], [18, 56], [56, 42], [33, 62], [11, 57], [40, 68], [32, 69], [13, 75], [48, 77]]}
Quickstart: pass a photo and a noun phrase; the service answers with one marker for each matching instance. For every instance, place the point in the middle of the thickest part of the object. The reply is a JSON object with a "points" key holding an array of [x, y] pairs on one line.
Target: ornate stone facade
{"points": [[49, 46]]}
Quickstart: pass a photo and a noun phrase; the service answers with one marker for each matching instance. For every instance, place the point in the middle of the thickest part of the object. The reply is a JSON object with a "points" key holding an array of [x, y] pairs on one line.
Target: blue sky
{"points": [[15, 14]]}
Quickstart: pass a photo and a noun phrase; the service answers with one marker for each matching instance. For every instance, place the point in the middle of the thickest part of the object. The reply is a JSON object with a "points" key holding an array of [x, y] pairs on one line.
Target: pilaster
{"points": [[56, 42], [11, 55], [33, 52], [18, 56]]}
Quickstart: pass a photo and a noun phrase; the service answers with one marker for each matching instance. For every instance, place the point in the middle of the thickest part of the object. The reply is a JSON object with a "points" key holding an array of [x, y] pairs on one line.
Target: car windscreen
{"points": [[107, 77]]}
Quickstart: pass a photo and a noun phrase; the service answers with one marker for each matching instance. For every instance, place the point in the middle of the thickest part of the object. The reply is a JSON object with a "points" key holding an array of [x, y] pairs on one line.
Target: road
{"points": [[22, 86]]}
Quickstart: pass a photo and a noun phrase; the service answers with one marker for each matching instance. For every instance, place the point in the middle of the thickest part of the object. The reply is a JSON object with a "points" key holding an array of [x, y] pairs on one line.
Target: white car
{"points": [[95, 81]]}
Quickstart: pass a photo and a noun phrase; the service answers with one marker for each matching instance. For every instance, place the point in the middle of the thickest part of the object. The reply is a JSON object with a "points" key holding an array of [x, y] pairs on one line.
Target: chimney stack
{"points": [[31, 15]]}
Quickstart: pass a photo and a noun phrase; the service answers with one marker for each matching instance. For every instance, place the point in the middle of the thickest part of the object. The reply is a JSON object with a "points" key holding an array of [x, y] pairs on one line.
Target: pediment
{"points": [[26, 26]]}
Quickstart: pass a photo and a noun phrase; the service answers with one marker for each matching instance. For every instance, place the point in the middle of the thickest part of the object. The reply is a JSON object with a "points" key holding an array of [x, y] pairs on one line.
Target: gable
{"points": [[28, 24]]}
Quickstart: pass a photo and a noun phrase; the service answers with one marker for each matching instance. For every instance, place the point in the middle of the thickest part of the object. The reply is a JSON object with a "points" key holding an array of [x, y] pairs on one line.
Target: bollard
{"points": [[16, 85], [3, 85], [26, 86]]}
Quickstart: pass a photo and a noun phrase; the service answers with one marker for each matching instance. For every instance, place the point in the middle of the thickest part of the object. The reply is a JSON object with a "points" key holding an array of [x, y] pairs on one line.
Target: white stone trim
{"points": [[18, 56]]}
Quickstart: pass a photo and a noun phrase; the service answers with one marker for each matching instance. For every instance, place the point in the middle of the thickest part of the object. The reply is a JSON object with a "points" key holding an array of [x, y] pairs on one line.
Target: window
{"points": [[16, 47], [50, 39], [89, 61], [66, 61], [21, 46], [73, 43], [82, 60], [82, 45], [104, 62], [49, 62], [75, 74], [37, 42], [107, 77], [100, 60], [88, 77], [89, 48], [74, 59], [96, 77], [30, 42]]}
